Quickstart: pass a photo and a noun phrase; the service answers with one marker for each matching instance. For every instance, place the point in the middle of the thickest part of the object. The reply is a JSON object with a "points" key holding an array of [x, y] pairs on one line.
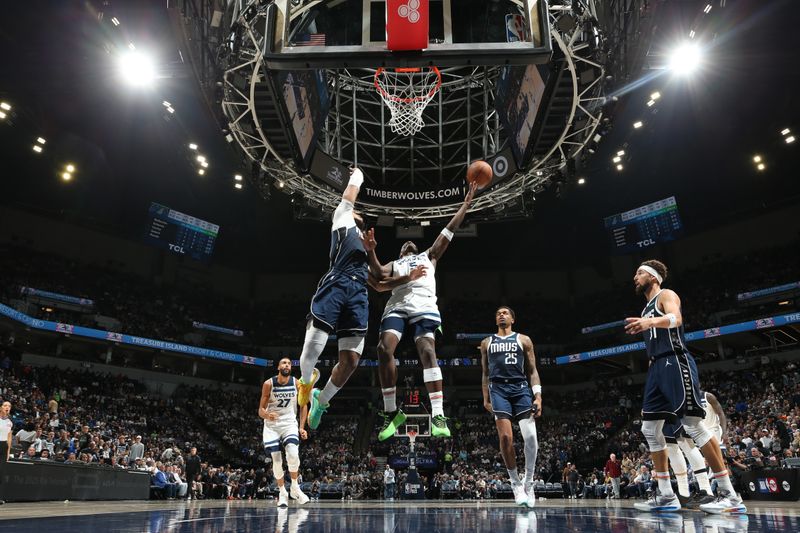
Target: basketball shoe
{"points": [[298, 494], [317, 410], [726, 503], [659, 504], [439, 426], [304, 389], [698, 499], [519, 493], [531, 495], [391, 421], [283, 498]]}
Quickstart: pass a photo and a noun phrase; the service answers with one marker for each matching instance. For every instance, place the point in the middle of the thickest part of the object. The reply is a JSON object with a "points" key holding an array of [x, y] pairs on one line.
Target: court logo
{"points": [[409, 11], [786, 486], [765, 323], [772, 483], [500, 166], [752, 487]]}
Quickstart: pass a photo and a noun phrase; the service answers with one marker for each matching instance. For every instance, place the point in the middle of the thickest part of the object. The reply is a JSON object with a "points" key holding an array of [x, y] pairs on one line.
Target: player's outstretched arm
{"points": [[443, 240], [266, 390], [388, 284], [487, 402], [533, 374], [343, 215], [670, 305]]}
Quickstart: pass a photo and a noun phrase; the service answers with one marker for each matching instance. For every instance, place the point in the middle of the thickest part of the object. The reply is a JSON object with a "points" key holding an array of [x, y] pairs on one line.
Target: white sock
{"points": [[664, 484], [678, 464], [698, 464], [282, 488], [328, 392], [313, 345], [527, 428], [724, 482], [437, 403], [702, 480], [513, 475], [389, 399]]}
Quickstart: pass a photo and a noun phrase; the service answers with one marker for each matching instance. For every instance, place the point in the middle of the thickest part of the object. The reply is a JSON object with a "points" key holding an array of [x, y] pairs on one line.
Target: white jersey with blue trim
{"points": [[711, 420], [283, 400], [415, 299]]}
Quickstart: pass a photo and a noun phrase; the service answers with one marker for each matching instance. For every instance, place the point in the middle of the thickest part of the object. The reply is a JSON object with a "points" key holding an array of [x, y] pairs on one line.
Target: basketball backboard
{"points": [[352, 33], [419, 423]]}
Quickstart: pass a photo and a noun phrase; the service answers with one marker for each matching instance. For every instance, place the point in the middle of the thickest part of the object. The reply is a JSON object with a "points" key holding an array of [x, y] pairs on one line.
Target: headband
{"points": [[652, 272]]}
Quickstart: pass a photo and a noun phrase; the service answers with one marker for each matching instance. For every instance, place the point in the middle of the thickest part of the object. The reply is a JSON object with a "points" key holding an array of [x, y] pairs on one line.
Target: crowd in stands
{"points": [[141, 307]]}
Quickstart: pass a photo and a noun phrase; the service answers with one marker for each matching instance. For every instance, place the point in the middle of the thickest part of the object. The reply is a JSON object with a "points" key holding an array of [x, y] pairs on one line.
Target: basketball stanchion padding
{"points": [[407, 25]]}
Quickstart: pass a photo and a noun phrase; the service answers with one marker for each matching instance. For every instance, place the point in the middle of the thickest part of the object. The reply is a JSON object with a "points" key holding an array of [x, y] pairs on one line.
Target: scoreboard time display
{"points": [[645, 226], [180, 233]]}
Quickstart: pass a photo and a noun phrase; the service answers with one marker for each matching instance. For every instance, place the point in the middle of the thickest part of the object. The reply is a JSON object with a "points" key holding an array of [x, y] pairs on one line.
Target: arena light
{"points": [[66, 176], [137, 69], [785, 131], [115, 21], [620, 167], [204, 164], [41, 140], [638, 124], [655, 96], [237, 185], [238, 177], [201, 171], [70, 168], [685, 59], [707, 9], [789, 139], [617, 159], [756, 159], [201, 158], [621, 152], [692, 34], [650, 103], [761, 166], [581, 181], [281, 185], [37, 148], [192, 146], [2, 115], [5, 106]]}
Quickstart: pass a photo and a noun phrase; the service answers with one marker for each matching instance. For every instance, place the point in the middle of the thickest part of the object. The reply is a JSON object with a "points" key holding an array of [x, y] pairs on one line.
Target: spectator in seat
{"points": [[161, 481]]}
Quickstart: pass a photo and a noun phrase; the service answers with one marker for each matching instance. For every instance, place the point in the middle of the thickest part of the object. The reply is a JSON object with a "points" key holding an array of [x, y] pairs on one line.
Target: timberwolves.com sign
{"points": [[413, 197]]}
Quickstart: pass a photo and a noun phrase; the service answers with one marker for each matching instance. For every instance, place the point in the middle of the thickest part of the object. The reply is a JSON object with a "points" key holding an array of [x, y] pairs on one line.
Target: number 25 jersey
{"points": [[506, 358]]}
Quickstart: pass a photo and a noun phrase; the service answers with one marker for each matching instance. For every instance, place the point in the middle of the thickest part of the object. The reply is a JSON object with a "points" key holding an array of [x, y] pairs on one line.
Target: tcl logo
{"points": [[176, 248]]}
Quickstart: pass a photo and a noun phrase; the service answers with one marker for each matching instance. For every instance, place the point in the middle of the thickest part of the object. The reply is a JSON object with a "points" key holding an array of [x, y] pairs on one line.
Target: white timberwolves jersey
{"points": [[711, 420], [416, 297], [283, 399]]}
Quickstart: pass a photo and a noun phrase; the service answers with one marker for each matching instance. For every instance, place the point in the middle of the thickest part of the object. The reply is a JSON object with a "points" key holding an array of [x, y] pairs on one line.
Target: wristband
{"points": [[536, 389], [673, 320], [448, 234], [356, 178]]}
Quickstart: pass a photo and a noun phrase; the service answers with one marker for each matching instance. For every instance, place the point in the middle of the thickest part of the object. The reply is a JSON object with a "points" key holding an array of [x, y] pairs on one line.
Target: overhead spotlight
{"points": [[707, 9], [192, 146], [70, 167], [789, 139], [4, 106], [41, 140], [204, 164], [66, 176], [201, 158], [2, 115], [620, 167], [785, 131], [137, 69], [238, 177], [756, 159], [655, 96], [281, 184], [621, 152], [692, 34], [617, 159], [637, 124], [201, 171], [761, 166], [170, 110], [166, 104], [685, 59], [581, 181], [131, 46], [650, 103], [237, 185], [37, 148], [115, 21]]}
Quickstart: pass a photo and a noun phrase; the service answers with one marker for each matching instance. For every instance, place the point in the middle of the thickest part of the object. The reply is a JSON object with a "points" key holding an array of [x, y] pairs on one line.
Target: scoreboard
{"points": [[645, 226], [180, 233]]}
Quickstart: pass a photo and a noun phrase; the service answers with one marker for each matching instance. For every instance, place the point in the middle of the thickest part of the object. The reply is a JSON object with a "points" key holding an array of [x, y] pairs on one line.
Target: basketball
{"points": [[480, 172]]}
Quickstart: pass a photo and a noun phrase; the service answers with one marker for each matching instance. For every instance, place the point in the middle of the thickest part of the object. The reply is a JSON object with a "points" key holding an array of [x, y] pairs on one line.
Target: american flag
{"points": [[310, 39]]}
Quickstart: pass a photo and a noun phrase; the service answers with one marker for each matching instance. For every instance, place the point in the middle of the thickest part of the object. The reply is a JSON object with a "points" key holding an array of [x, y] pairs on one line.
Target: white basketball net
{"points": [[406, 93]]}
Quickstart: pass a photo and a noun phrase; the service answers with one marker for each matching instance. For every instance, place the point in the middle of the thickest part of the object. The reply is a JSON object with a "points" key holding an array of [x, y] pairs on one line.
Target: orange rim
{"points": [[430, 93]]}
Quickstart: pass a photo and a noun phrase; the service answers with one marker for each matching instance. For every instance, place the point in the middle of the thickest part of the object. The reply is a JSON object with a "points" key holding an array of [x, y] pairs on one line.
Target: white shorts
{"points": [[280, 433]]}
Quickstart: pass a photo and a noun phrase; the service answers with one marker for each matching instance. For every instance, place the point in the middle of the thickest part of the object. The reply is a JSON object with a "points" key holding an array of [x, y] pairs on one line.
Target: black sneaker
{"points": [[698, 499]]}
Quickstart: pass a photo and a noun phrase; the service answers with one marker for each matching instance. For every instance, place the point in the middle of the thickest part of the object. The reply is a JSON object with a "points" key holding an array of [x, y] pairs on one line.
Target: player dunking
{"points": [[413, 304], [512, 391], [672, 392], [278, 408], [339, 305]]}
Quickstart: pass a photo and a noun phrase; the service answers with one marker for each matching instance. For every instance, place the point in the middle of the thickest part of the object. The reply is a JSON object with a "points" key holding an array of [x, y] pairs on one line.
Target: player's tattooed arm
{"points": [[441, 243], [533, 373], [266, 389], [487, 403]]}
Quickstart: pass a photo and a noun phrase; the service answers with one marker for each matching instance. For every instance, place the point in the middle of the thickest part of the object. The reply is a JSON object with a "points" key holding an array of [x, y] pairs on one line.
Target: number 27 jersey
{"points": [[283, 399], [506, 358]]}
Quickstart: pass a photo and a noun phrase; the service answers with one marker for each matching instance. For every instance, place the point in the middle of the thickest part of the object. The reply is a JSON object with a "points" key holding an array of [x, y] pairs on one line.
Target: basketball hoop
{"points": [[412, 436], [406, 92]]}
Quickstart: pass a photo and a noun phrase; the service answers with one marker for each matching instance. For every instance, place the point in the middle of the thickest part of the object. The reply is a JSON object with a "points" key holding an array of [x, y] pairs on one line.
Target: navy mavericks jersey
{"points": [[506, 358], [347, 253], [661, 341]]}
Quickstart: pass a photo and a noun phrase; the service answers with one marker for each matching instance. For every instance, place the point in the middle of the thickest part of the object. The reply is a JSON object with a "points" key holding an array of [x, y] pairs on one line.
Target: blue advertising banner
{"points": [[218, 329], [599, 327], [743, 296], [133, 340], [30, 291]]}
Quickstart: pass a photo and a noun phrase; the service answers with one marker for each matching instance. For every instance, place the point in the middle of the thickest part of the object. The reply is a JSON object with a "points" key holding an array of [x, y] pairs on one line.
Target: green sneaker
{"points": [[390, 424], [439, 426], [317, 410]]}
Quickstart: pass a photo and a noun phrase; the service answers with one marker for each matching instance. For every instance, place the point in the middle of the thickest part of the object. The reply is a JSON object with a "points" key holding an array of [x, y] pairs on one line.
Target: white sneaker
{"points": [[531, 495], [726, 503], [283, 498], [519, 493], [659, 504], [298, 494]]}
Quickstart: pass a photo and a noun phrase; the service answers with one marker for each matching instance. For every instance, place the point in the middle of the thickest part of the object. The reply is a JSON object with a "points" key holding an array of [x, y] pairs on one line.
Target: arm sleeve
{"points": [[343, 216]]}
